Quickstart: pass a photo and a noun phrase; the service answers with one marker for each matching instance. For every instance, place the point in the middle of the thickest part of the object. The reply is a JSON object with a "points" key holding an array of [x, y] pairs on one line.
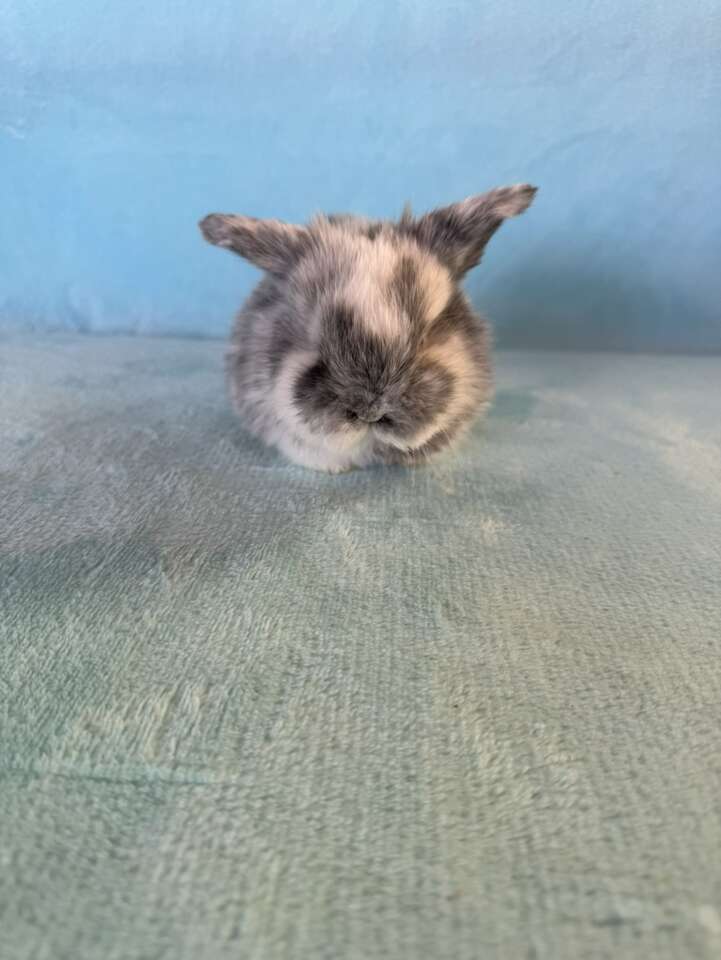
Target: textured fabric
{"points": [[466, 711]]}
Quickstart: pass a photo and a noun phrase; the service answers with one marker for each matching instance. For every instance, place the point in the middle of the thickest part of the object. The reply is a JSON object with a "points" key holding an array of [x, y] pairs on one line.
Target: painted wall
{"points": [[122, 122]]}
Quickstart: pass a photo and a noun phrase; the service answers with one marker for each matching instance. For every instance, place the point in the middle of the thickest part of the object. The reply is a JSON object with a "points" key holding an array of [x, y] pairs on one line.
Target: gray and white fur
{"points": [[359, 346]]}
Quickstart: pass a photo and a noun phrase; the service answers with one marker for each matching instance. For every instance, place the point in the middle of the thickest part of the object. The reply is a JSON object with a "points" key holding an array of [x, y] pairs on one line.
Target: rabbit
{"points": [[359, 347]]}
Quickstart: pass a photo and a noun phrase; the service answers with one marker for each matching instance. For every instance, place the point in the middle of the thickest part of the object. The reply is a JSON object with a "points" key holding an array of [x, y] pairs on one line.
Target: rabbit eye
{"points": [[385, 421]]}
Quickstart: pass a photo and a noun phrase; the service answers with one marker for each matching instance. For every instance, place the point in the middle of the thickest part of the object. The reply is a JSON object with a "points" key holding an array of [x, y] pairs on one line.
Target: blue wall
{"points": [[122, 122]]}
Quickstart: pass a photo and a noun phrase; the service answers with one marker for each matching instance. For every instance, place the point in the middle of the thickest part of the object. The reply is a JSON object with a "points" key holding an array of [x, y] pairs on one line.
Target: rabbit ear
{"points": [[269, 244], [459, 233]]}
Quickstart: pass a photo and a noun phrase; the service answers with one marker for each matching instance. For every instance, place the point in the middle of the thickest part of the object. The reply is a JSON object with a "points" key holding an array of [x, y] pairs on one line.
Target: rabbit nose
{"points": [[370, 416], [364, 415], [365, 412]]}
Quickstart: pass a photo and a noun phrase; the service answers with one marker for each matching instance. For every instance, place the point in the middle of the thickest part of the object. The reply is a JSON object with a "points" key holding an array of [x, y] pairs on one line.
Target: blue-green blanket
{"points": [[466, 712]]}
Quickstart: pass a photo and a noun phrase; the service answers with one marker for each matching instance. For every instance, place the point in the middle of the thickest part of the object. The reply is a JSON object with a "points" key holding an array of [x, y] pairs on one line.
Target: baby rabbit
{"points": [[359, 346]]}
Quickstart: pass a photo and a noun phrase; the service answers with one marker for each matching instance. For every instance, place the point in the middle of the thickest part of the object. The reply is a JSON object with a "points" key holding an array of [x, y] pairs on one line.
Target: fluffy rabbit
{"points": [[359, 346]]}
